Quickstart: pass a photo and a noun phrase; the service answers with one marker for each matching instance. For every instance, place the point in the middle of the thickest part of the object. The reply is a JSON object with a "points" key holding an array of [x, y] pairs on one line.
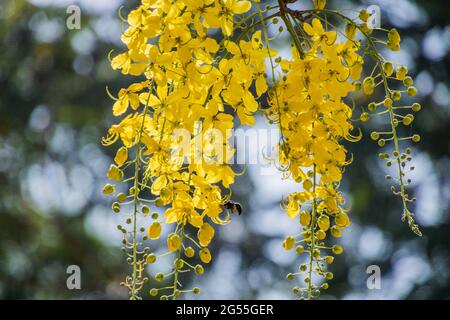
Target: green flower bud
{"points": [[159, 276], [116, 207], [109, 189], [375, 136], [151, 258], [199, 269], [153, 292], [372, 106], [412, 91], [337, 249], [408, 81], [121, 197], [416, 107], [364, 117], [388, 68]]}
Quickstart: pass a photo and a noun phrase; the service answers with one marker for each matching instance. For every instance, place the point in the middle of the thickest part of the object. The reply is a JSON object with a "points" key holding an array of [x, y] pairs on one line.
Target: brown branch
{"points": [[295, 13]]}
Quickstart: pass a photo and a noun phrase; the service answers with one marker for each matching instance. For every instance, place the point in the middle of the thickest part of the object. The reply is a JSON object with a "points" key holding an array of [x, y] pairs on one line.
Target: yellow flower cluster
{"points": [[313, 118], [194, 76], [187, 89]]}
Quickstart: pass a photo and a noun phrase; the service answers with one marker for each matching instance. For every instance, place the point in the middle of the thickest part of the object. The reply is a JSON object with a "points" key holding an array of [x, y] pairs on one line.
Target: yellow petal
{"points": [[241, 7], [261, 85], [120, 107]]}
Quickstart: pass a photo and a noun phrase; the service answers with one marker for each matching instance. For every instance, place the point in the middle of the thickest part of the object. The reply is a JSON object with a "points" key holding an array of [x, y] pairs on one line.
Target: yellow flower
{"points": [[221, 15], [318, 34]]}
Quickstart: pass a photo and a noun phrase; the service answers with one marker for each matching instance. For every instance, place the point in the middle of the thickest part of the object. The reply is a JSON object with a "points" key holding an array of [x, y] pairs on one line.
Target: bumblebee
{"points": [[234, 207]]}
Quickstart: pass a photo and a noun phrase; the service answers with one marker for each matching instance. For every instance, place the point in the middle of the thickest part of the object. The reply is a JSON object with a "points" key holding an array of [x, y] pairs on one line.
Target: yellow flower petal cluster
{"points": [[194, 86], [309, 107]]}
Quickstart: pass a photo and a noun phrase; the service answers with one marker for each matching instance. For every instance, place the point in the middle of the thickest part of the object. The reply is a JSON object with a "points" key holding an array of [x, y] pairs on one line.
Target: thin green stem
{"points": [[176, 271], [313, 238], [134, 290]]}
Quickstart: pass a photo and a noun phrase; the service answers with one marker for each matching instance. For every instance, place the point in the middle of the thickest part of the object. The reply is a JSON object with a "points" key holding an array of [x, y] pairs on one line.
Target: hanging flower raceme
{"points": [[195, 85], [308, 105]]}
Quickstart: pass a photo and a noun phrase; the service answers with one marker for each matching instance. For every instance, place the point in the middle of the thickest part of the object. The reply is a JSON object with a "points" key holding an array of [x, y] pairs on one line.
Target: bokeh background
{"points": [[54, 110]]}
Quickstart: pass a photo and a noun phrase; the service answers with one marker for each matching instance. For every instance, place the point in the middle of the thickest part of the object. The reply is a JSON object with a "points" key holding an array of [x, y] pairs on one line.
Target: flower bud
{"points": [[151, 258], [121, 156], [173, 242], [401, 73], [154, 231], [159, 276], [189, 252], [375, 136], [337, 249], [408, 81], [109, 189], [116, 207], [369, 85], [289, 243], [364, 15], [364, 117], [350, 30], [388, 102], [416, 107], [305, 218], [299, 249], [408, 119], [321, 235], [121, 197], [329, 259], [205, 255], [153, 292], [199, 269], [323, 222], [396, 95], [412, 91], [114, 173], [336, 232], [388, 68]]}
